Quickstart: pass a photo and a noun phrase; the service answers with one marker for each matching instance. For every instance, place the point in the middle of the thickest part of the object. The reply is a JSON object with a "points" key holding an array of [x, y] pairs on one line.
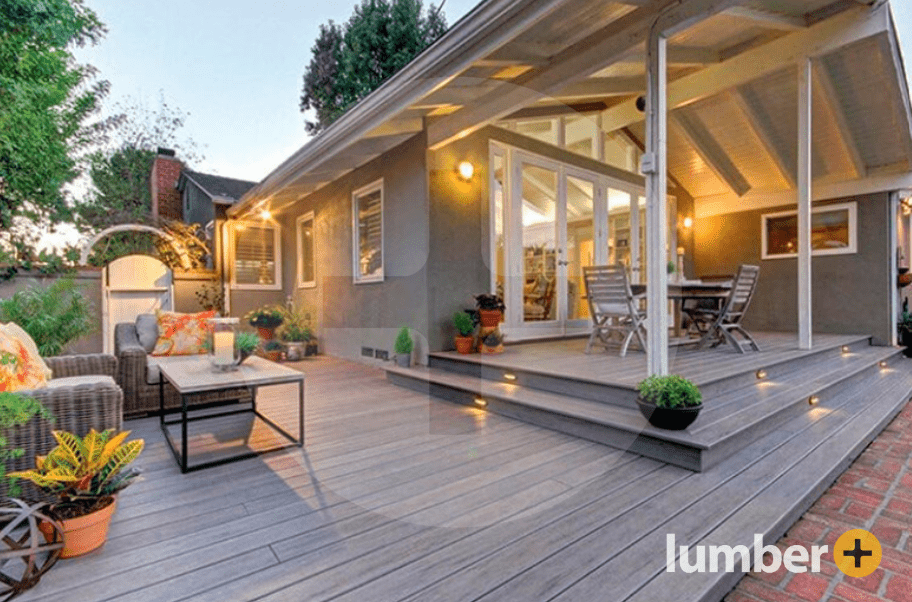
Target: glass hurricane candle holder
{"points": [[223, 354]]}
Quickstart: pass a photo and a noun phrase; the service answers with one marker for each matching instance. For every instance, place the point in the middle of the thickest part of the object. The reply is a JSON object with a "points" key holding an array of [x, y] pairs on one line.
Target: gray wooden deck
{"points": [[399, 497]]}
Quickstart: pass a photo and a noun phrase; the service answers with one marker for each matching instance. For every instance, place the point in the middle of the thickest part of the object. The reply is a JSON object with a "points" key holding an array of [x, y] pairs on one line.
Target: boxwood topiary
{"points": [[670, 392]]}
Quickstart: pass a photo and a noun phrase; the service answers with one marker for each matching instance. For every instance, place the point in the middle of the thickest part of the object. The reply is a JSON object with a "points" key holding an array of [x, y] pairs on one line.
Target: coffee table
{"points": [[195, 377]]}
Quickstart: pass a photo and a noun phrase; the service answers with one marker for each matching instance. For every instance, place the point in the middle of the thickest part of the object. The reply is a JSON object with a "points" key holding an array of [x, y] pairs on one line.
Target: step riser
{"points": [[642, 444], [626, 396], [620, 396]]}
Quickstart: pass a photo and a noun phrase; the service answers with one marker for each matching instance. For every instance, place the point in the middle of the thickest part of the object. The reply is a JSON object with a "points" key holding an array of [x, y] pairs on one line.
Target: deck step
{"points": [[502, 368], [730, 420]]}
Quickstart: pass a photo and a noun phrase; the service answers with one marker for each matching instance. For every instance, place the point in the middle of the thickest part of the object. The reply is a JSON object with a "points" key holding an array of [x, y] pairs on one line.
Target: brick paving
{"points": [[875, 494]]}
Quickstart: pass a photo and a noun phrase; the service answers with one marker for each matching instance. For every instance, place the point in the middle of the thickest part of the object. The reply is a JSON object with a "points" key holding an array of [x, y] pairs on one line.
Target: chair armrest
{"points": [[63, 366], [131, 364]]}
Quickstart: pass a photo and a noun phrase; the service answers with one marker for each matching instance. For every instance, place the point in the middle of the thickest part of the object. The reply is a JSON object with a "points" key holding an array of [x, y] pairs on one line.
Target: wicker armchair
{"points": [[137, 375], [81, 395]]}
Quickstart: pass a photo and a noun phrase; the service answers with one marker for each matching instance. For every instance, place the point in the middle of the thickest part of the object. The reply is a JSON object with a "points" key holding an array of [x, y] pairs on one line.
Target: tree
{"points": [[350, 61], [45, 100]]}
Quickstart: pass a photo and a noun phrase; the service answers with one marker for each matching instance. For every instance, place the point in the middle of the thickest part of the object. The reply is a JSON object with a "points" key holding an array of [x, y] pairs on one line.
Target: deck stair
{"points": [[740, 408]]}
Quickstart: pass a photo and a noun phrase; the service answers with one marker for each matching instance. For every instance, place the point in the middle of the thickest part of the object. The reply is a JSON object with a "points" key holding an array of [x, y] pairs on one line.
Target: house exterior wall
{"points": [[851, 293], [350, 316], [197, 206]]}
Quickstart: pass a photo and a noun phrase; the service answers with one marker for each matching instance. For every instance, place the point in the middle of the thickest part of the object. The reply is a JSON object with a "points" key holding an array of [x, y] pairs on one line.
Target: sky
{"points": [[236, 67]]}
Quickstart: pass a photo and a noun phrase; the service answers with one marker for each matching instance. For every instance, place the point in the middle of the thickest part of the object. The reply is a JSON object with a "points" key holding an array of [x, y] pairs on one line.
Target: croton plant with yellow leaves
{"points": [[84, 473]]}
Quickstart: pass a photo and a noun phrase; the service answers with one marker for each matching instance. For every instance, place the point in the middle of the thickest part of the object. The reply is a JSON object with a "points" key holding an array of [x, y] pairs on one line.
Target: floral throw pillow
{"points": [[182, 334], [21, 366]]}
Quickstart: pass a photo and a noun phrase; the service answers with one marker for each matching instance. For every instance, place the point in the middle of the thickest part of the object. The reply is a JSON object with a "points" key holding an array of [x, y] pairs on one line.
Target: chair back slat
{"points": [[742, 292]]}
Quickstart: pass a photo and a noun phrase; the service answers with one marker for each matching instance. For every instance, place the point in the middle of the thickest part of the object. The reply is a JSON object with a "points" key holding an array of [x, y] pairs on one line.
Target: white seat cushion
{"points": [[154, 361], [72, 381]]}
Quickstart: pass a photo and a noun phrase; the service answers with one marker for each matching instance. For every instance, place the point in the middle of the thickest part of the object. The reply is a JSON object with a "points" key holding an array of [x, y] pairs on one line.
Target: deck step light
{"points": [[509, 376], [845, 348], [761, 374], [882, 364], [813, 400], [481, 402]]}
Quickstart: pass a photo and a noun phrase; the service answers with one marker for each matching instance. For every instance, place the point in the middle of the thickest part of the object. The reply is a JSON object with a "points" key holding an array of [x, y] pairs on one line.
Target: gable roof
{"points": [[507, 55], [225, 191]]}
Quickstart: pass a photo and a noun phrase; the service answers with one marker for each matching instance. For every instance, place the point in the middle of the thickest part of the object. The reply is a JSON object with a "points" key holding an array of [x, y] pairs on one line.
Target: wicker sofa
{"points": [[81, 395], [138, 375]]}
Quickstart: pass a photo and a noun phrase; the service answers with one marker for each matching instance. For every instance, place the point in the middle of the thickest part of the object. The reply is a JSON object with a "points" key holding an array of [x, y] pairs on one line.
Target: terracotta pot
{"points": [[464, 344], [84, 534], [266, 333], [274, 356], [490, 317]]}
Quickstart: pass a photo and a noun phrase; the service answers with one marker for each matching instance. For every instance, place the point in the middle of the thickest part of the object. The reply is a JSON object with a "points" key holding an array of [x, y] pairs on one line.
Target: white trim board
{"points": [[711, 206]]}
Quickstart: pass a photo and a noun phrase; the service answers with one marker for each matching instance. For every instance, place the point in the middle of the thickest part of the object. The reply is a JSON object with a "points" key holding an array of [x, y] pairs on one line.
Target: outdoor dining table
{"points": [[679, 292]]}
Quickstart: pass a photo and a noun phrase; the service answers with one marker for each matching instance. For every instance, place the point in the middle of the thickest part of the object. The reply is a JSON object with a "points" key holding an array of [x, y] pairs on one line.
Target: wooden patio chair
{"points": [[720, 325], [613, 307]]}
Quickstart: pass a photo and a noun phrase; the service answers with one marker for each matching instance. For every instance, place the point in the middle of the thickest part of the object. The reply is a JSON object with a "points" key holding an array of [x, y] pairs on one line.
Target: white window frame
{"points": [[277, 245], [851, 207], [357, 278], [309, 216]]}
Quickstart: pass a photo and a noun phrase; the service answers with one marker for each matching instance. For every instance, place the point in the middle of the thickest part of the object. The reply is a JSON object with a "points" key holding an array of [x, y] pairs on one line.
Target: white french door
{"points": [[549, 221]]}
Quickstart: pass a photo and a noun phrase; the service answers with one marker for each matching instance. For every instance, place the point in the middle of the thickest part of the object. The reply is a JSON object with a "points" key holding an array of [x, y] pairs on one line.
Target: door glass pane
{"points": [[619, 233], [580, 243], [539, 243], [499, 250]]}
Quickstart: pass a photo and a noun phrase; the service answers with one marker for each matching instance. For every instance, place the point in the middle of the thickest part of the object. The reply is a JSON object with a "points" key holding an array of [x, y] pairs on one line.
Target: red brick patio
{"points": [[875, 494]]}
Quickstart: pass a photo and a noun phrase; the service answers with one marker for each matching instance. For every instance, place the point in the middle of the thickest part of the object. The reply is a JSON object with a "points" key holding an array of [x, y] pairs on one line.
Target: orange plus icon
{"points": [[857, 553]]}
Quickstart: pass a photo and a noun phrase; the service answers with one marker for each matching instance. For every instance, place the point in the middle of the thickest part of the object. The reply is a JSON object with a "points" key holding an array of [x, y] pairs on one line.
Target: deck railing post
{"points": [[654, 166], [804, 182]]}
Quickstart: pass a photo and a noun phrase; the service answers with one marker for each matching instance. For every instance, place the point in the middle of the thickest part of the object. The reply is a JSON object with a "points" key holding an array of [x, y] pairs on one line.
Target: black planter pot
{"points": [[672, 419]]}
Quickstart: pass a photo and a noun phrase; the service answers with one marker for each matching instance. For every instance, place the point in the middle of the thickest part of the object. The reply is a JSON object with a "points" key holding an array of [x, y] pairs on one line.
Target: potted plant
{"points": [[296, 336], [265, 319], [273, 350], [669, 402], [403, 348], [84, 475], [464, 328], [490, 309], [246, 343]]}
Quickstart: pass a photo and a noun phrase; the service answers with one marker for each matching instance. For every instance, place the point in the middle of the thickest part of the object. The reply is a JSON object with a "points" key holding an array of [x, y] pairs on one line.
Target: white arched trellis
{"points": [[175, 244]]}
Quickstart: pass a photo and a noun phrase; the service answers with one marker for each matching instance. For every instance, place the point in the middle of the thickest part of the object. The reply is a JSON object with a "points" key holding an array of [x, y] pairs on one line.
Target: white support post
{"points": [[655, 168], [804, 183]]}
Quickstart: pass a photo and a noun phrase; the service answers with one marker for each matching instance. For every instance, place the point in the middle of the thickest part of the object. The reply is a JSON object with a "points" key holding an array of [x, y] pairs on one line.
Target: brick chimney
{"points": [[166, 200]]}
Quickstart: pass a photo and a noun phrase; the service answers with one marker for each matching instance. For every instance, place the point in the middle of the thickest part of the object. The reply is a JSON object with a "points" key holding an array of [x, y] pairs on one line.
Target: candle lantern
{"points": [[222, 352]]}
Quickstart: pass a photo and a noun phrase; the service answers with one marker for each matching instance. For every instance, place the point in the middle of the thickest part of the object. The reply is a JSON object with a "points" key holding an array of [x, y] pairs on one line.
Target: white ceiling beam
{"points": [[681, 56], [575, 63], [760, 124], [709, 149], [827, 36], [770, 20], [598, 87], [823, 80]]}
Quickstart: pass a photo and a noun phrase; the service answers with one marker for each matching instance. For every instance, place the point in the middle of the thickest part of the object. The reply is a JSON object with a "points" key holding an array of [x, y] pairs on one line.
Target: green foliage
{"points": [[272, 345], [670, 391], [46, 97], [246, 342], [404, 343], [905, 322], [463, 323], [15, 410], [297, 326], [670, 267], [489, 302], [350, 61], [54, 315], [268, 316], [84, 472]]}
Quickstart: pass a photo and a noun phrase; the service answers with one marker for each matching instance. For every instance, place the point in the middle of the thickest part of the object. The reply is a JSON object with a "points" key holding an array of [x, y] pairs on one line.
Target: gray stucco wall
{"points": [[851, 293], [351, 316], [197, 205]]}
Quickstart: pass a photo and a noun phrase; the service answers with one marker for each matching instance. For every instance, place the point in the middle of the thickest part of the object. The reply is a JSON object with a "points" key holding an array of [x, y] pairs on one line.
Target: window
{"points": [[833, 231], [307, 276], [257, 256], [367, 209]]}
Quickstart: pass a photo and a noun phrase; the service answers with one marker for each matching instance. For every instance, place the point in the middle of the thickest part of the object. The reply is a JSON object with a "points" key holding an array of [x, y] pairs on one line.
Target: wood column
{"points": [[804, 183], [656, 171]]}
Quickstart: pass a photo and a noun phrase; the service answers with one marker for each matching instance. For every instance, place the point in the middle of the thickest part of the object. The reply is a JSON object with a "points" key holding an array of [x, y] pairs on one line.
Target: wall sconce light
{"points": [[688, 222], [465, 170], [265, 214]]}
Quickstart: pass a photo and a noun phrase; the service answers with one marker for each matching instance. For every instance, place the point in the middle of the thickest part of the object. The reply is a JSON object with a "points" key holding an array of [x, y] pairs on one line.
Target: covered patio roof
{"points": [[732, 92]]}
